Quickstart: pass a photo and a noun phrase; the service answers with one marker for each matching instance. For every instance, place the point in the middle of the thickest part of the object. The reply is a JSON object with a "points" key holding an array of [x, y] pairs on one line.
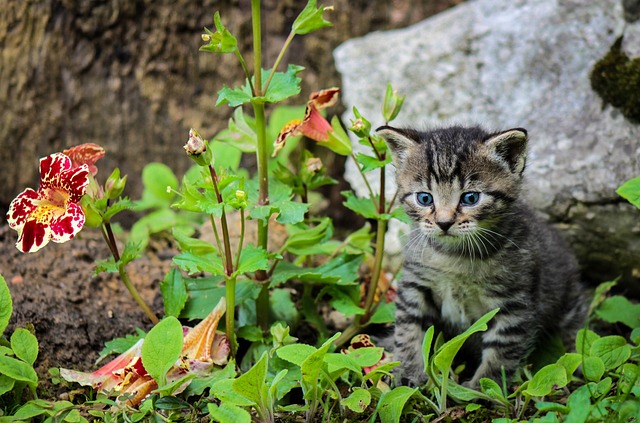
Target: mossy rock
{"points": [[616, 78]]}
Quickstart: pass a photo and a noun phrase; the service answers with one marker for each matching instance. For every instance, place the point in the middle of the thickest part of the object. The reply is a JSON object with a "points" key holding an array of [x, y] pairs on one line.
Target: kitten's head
{"points": [[458, 183]]}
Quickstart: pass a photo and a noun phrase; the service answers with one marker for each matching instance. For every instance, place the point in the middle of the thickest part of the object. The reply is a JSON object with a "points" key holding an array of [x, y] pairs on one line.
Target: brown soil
{"points": [[72, 311]]}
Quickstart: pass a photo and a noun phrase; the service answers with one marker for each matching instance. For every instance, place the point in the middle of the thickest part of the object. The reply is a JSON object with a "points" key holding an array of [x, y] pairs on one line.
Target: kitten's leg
{"points": [[505, 344], [414, 313]]}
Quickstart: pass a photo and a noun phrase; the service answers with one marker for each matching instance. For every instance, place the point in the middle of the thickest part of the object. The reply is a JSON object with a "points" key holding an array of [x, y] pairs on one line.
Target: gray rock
{"points": [[517, 63]]}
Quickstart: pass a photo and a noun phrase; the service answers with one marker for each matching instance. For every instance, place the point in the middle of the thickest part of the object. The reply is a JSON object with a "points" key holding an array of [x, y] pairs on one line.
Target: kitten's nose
{"points": [[445, 225]]}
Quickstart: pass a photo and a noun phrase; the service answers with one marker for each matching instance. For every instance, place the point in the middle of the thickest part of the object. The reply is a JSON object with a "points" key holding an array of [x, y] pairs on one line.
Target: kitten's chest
{"points": [[462, 297]]}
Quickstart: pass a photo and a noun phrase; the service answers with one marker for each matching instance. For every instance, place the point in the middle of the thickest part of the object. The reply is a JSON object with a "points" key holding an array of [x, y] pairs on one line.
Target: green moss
{"points": [[616, 78]]}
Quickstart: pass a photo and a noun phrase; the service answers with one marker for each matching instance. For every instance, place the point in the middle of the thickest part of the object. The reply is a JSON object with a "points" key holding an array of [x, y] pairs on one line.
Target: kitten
{"points": [[476, 246]]}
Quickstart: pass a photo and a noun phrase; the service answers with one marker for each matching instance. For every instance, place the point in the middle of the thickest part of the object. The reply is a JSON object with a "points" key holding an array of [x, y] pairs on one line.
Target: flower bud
{"points": [[196, 148], [360, 126], [392, 104], [115, 185]]}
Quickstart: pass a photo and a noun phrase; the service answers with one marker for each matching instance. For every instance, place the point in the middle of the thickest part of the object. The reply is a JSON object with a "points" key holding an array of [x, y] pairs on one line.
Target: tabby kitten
{"points": [[476, 246]]}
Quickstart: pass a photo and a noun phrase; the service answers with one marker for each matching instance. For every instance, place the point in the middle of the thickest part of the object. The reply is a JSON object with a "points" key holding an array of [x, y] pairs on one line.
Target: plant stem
{"points": [[228, 261], [360, 321], [262, 303], [381, 231], [279, 59], [364, 178], [230, 281], [230, 292], [245, 69], [107, 233]]}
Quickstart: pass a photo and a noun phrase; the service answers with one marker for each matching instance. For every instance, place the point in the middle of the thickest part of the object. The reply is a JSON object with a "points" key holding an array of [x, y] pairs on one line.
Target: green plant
{"points": [[17, 355]]}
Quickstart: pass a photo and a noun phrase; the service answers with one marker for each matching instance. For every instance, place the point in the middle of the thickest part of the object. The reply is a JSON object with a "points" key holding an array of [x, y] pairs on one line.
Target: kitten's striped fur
{"points": [[468, 254]]}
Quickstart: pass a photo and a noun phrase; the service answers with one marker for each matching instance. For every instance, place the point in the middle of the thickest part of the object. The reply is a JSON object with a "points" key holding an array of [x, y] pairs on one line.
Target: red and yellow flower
{"points": [[52, 213], [315, 126]]}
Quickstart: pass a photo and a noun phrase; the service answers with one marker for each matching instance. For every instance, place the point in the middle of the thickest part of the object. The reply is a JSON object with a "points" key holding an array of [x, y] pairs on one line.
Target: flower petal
{"points": [[33, 236], [324, 98], [289, 130], [88, 154], [21, 208], [314, 125], [65, 227], [199, 340], [51, 168]]}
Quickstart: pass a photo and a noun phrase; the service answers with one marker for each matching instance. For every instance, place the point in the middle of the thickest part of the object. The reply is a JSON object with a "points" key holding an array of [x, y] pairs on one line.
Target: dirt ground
{"points": [[74, 312]]}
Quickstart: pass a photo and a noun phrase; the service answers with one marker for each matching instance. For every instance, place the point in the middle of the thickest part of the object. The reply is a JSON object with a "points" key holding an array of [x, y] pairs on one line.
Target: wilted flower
{"points": [[314, 125], [203, 347], [196, 148], [88, 154], [314, 164], [52, 213]]}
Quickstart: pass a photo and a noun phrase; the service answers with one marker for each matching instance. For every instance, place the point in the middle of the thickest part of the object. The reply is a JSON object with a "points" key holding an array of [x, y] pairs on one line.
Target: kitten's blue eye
{"points": [[470, 198], [424, 198]]}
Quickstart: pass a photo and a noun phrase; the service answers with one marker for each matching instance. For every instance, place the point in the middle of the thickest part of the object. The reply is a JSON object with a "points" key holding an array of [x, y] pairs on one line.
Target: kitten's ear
{"points": [[398, 140], [511, 147]]}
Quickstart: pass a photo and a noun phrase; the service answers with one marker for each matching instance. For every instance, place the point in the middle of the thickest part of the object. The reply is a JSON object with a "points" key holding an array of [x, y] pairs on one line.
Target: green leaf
{"points": [[6, 305], [156, 177], [241, 134], [344, 303], [282, 86], [630, 191], [252, 259], [24, 345], [312, 365], [445, 355], [579, 406], [303, 238], [6, 384], [174, 293], [492, 389], [310, 19], [341, 270], [116, 207], [295, 353], [162, 347], [221, 41], [392, 403], [283, 307], [367, 356], [370, 163], [570, 362], [613, 350], [339, 361], [363, 206], [584, 339], [358, 401], [385, 313], [593, 368], [426, 346], [228, 413], [280, 195], [195, 263], [131, 252], [252, 383], [546, 380], [18, 370], [619, 309]]}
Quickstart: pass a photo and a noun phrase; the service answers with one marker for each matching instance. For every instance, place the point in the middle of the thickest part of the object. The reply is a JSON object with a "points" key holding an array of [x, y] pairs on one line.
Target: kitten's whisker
{"points": [[485, 230]]}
